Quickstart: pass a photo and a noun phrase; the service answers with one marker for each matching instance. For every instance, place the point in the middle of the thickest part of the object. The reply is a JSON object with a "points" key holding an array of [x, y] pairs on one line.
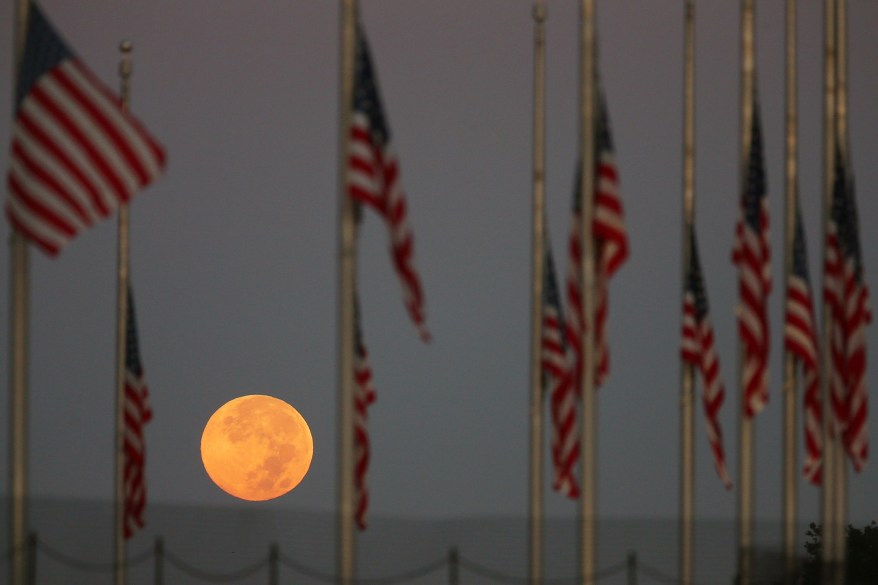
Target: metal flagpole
{"points": [[745, 425], [346, 269], [828, 518], [790, 428], [538, 249], [588, 430], [121, 320], [687, 371], [18, 364], [841, 132]]}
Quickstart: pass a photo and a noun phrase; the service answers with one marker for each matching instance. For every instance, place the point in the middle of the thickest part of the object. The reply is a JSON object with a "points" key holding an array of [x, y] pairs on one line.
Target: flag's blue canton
{"points": [[844, 214], [553, 298], [800, 256], [604, 143], [694, 280], [756, 188], [44, 50], [132, 348], [366, 97]]}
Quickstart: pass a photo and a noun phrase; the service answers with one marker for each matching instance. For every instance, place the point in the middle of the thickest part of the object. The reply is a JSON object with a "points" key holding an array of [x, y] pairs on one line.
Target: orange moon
{"points": [[256, 447]]}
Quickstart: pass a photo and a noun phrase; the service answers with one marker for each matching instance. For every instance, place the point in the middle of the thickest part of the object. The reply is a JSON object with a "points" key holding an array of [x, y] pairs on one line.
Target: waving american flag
{"points": [[698, 349], [76, 154], [752, 256], [373, 179], [846, 293], [800, 338], [611, 248]]}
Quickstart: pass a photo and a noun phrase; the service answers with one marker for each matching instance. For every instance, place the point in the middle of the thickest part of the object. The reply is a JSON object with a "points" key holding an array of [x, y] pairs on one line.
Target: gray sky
{"points": [[233, 250]]}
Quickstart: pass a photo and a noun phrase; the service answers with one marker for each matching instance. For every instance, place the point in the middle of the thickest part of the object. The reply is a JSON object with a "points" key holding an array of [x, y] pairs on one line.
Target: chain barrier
{"points": [[501, 577], [488, 573], [657, 575], [307, 571], [389, 580], [188, 569]]}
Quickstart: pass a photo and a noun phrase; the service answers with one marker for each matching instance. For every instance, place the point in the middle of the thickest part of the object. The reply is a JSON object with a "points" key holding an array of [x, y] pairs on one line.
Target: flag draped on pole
{"points": [[611, 250], [800, 339], [556, 382], [847, 295], [752, 255], [76, 155], [698, 349], [374, 178], [364, 396], [137, 414]]}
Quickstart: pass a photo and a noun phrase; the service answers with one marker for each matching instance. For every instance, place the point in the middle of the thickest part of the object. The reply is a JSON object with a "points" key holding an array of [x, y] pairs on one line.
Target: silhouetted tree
{"points": [[861, 562]]}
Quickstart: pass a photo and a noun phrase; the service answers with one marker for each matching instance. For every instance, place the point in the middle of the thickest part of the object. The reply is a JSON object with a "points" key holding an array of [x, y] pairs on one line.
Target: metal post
{"points": [[827, 501], [273, 557], [19, 285], [121, 321], [32, 558], [588, 498], [632, 567], [746, 428], [346, 268], [453, 566], [159, 561], [687, 372], [538, 256], [790, 410]]}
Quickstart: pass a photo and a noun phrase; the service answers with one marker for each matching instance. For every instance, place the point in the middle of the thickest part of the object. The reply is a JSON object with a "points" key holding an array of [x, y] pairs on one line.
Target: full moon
{"points": [[256, 447]]}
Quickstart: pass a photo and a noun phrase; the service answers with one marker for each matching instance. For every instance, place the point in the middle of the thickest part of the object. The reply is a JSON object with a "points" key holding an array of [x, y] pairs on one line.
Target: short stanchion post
{"points": [[453, 566], [32, 559], [273, 557], [159, 561], [632, 567]]}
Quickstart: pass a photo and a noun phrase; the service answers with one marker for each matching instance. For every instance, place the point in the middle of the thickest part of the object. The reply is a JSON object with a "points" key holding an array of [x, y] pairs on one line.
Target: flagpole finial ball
{"points": [[540, 11], [125, 46]]}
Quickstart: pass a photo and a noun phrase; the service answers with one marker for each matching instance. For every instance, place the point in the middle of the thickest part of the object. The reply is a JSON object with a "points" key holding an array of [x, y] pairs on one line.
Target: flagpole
{"points": [[588, 428], [745, 424], [828, 512], [125, 69], [538, 249], [687, 379], [790, 428], [19, 282], [841, 132], [346, 270]]}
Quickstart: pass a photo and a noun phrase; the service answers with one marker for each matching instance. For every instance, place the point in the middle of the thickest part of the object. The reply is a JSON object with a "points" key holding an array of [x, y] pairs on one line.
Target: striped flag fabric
{"points": [[800, 339], [364, 396], [556, 384], [847, 296], [373, 179], [76, 154], [611, 245], [698, 349], [137, 414], [752, 256]]}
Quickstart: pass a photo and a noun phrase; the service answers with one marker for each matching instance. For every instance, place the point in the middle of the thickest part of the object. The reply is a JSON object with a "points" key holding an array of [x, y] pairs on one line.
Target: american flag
{"points": [[373, 179], [752, 255], [364, 396], [800, 339], [137, 414], [698, 349], [76, 154], [846, 293], [611, 245], [556, 384]]}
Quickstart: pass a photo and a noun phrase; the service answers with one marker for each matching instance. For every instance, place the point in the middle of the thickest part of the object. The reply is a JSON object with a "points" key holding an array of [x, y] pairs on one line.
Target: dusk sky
{"points": [[233, 250]]}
